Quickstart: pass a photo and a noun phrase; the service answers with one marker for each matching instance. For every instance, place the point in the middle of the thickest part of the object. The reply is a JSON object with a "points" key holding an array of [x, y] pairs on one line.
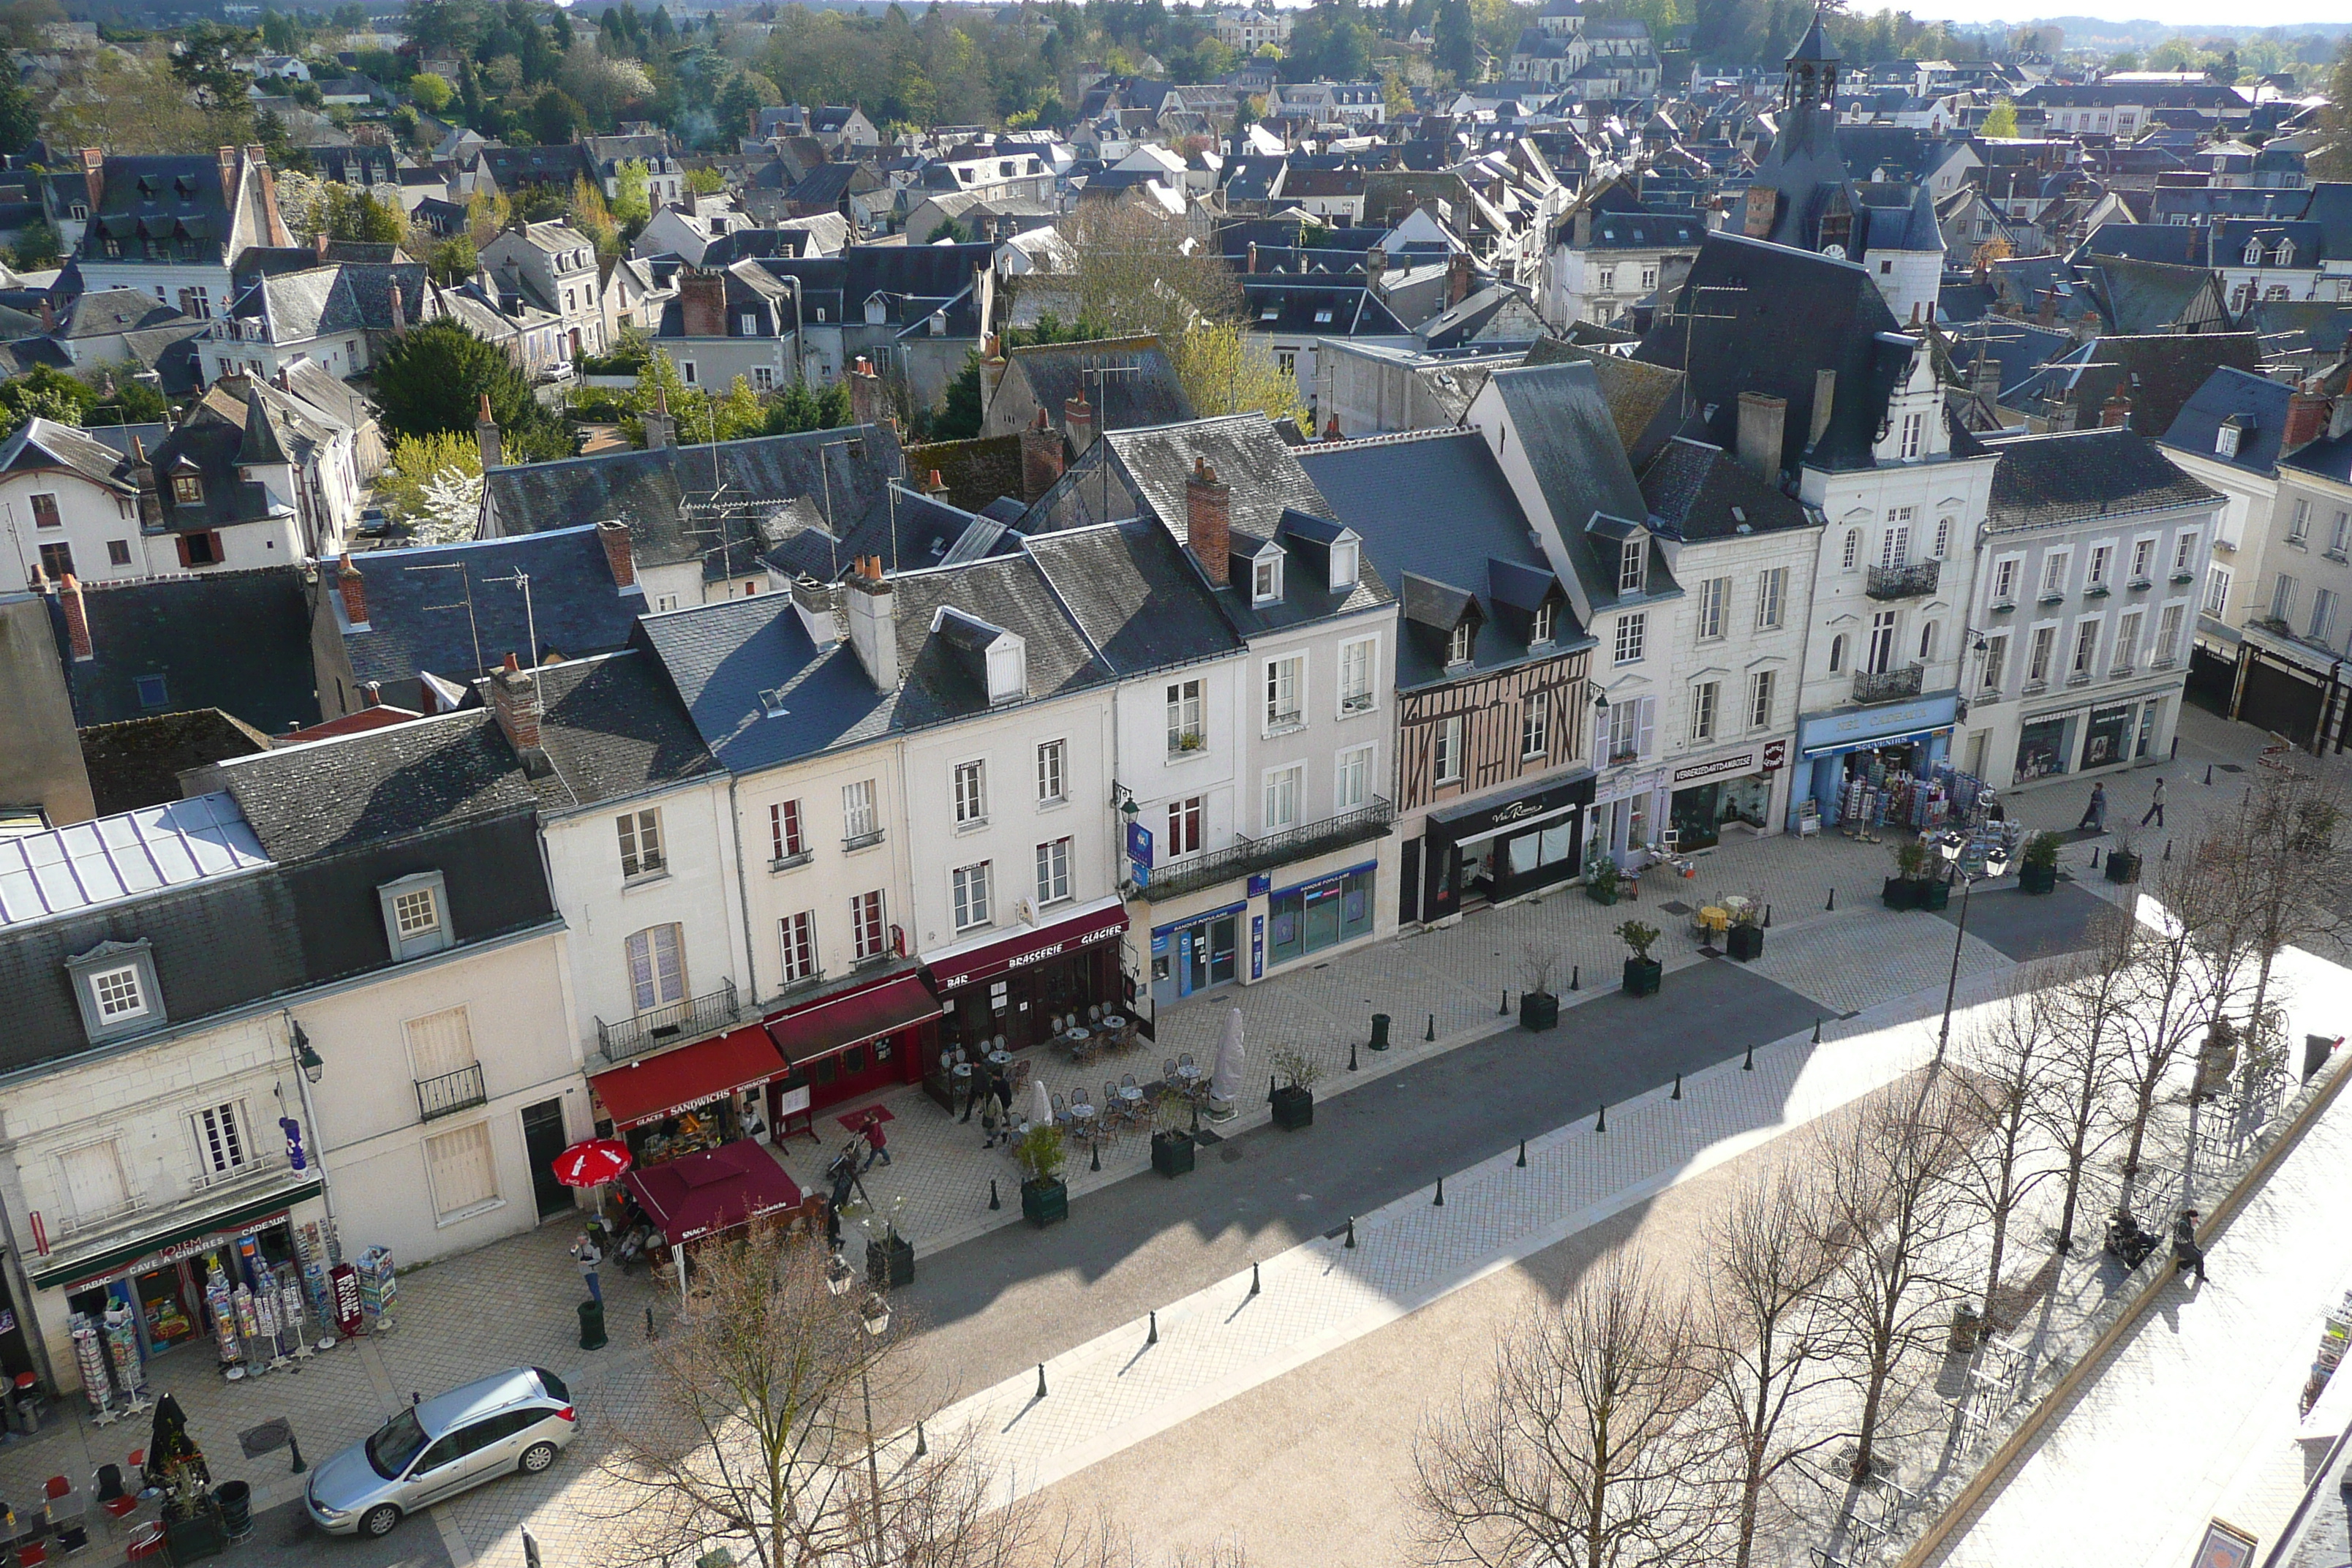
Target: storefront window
{"points": [[2041, 750], [1320, 914], [2109, 736]]}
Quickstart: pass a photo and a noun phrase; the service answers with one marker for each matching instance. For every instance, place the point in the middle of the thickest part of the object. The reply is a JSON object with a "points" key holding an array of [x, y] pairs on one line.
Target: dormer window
{"points": [[2253, 253], [187, 490], [2285, 255], [115, 989], [1458, 645], [2225, 441], [1343, 566], [1266, 580], [1008, 669], [1546, 613], [1632, 565]]}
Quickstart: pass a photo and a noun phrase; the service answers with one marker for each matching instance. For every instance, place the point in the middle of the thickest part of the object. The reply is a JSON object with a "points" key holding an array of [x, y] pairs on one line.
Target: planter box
{"points": [[1294, 1108], [188, 1539], [890, 1264], [1172, 1153], [1935, 894], [1601, 895], [1539, 1011], [1746, 942], [2037, 878], [1643, 975], [2123, 867], [1043, 1203], [1899, 894]]}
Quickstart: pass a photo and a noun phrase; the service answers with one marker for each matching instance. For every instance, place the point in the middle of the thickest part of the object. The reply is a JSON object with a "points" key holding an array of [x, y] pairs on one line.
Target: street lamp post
{"points": [[874, 1312], [312, 1068], [1949, 846]]}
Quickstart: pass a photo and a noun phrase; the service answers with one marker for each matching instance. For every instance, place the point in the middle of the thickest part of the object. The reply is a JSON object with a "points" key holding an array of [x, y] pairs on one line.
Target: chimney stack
{"points": [[77, 620], [620, 554], [1761, 419], [991, 371], [1376, 267], [934, 487], [514, 699], [873, 623], [319, 243], [701, 302], [1208, 521], [1457, 278], [93, 176], [399, 313], [865, 401], [1078, 420], [2115, 413], [354, 588], [2307, 417], [485, 432], [659, 426], [1040, 457], [371, 693]]}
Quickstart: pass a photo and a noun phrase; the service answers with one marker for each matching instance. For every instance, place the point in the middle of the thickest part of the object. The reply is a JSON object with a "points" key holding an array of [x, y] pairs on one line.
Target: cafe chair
{"points": [[1061, 1112], [145, 1542], [32, 1555], [111, 1497], [1168, 1075], [1094, 1012]]}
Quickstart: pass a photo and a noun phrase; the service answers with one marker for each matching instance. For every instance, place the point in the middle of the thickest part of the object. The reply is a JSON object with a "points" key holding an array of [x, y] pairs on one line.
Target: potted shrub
{"points": [[1642, 973], [1906, 889], [1745, 940], [2123, 860], [1040, 1154], [2037, 872], [1172, 1150], [889, 1256], [1539, 1008], [1600, 879], [1293, 1102]]}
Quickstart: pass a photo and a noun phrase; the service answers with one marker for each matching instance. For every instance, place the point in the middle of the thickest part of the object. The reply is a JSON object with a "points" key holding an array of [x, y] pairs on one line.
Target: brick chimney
{"points": [[354, 588], [49, 315], [371, 693], [866, 404], [514, 699], [1457, 278], [486, 433], [399, 312], [873, 623], [2115, 413], [319, 243], [1040, 457], [1078, 423], [1208, 521], [1762, 422], [934, 487], [151, 497], [620, 554], [701, 302], [227, 158], [77, 620], [93, 176], [660, 428], [992, 369], [1251, 269]]}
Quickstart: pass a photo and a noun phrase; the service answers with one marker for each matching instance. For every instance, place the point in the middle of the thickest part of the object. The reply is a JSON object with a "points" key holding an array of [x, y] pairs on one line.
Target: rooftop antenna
{"points": [[1102, 425], [521, 579], [473, 624], [1693, 318]]}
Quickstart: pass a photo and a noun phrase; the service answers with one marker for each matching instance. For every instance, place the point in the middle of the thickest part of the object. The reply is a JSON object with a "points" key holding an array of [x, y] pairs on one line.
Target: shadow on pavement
{"points": [[2023, 926], [284, 1537]]}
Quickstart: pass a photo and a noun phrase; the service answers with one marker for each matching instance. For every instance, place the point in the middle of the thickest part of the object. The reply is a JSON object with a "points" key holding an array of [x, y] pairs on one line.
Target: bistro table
{"points": [[1000, 1058]]}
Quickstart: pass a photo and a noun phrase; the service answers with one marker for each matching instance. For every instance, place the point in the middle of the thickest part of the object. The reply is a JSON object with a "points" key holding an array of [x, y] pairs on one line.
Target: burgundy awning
{"points": [[831, 1023], [959, 967], [701, 1194], [679, 1080]]}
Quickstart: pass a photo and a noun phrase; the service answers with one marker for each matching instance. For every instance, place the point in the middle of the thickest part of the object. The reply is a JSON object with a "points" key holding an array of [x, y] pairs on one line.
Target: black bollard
{"points": [[2167, 849], [1440, 1202], [2095, 856], [1041, 1380], [1432, 1029], [1600, 1123], [1153, 1338], [1748, 1063], [1678, 1087], [2208, 775], [296, 1444], [1575, 977], [1506, 1006], [1352, 1056], [1816, 1036], [652, 1333], [921, 1448], [1269, 1088], [1352, 1232], [1832, 904], [1768, 917], [1253, 1280], [2176, 749], [1522, 1160], [993, 1201], [1096, 1163]]}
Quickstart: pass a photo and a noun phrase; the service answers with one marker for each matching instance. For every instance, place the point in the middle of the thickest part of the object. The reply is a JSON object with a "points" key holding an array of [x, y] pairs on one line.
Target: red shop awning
{"points": [[701, 1194], [960, 966], [831, 1023], [663, 1086]]}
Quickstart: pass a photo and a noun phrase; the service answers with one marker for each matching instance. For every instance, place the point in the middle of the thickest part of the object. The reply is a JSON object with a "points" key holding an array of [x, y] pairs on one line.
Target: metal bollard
{"points": [[1254, 1285], [1832, 904], [1575, 977], [1432, 1029], [1600, 1123], [1154, 1337], [993, 1201], [1440, 1202], [1748, 1063], [1678, 1087], [1041, 1380], [1522, 1162], [1352, 1232]]}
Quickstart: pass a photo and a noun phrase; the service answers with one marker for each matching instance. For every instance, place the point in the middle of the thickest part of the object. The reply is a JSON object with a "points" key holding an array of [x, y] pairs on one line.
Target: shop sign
{"points": [[196, 1245], [293, 1130], [1775, 755], [7, 1319], [1257, 947], [344, 1286], [1745, 763], [1260, 884], [1860, 726], [1139, 844], [988, 965], [1139, 874], [1475, 821]]}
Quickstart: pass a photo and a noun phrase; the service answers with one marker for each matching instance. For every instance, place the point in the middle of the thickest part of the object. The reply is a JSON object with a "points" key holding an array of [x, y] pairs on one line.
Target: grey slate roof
{"points": [[1010, 592], [720, 659], [1059, 371], [41, 442], [1702, 492], [2044, 480], [611, 728], [2257, 402], [1135, 596], [170, 626]]}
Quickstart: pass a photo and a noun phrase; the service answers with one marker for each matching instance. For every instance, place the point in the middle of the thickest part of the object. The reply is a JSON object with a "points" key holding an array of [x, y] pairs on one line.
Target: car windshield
{"points": [[393, 1448], [552, 1385]]}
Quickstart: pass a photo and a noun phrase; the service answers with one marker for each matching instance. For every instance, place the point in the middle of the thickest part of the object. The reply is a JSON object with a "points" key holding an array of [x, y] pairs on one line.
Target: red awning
{"points": [[970, 966], [663, 1086], [696, 1196], [829, 1024]]}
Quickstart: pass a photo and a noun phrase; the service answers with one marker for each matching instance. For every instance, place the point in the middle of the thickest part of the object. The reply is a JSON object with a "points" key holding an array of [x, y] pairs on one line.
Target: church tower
{"points": [[1799, 196]]}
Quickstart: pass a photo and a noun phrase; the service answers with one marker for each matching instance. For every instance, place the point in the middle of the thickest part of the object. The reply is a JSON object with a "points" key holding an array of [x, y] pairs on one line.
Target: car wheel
{"points": [[379, 1519], [537, 1458]]}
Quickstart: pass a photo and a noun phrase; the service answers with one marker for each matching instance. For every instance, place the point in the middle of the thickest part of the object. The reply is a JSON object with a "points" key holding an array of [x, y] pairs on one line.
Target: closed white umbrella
{"points": [[1041, 1104], [1225, 1082]]}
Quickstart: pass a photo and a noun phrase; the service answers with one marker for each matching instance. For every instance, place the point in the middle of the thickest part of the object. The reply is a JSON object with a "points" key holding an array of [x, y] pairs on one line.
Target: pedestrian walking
{"points": [[2186, 1253], [2095, 815], [876, 1145], [975, 1088], [988, 1122], [843, 1172], [588, 1257], [2156, 811], [1000, 1084]]}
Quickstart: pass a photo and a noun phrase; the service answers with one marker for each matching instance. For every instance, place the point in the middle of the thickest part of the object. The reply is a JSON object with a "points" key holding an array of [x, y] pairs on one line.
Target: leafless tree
{"points": [[1887, 1216], [1580, 1453], [1138, 272], [1765, 1335], [2010, 1061], [756, 1434], [2295, 831], [2086, 1047]]}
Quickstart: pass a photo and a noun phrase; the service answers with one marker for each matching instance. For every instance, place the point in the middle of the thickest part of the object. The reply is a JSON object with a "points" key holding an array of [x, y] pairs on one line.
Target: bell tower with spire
{"points": [[1799, 196]]}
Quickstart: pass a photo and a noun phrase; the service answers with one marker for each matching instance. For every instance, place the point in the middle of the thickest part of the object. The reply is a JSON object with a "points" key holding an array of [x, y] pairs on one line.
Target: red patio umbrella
{"points": [[590, 1164]]}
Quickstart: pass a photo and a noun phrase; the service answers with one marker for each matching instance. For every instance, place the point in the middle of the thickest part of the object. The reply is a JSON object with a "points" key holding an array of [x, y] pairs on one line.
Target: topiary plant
{"points": [[1041, 1153], [1638, 937], [2042, 851]]}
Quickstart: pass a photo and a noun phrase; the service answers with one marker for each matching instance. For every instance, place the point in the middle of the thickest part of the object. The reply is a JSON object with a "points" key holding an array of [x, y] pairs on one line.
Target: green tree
{"points": [[279, 35], [37, 247], [705, 182], [132, 402], [20, 120], [430, 92], [1456, 41], [631, 204], [205, 62], [2334, 162], [553, 117], [45, 392], [2001, 118], [434, 376], [454, 261]]}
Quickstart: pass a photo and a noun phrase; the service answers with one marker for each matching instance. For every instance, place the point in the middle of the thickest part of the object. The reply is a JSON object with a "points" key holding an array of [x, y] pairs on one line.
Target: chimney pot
{"points": [[620, 553], [2115, 413], [514, 699], [866, 402], [1041, 458], [77, 620], [486, 433], [354, 588], [1078, 420], [1208, 521]]}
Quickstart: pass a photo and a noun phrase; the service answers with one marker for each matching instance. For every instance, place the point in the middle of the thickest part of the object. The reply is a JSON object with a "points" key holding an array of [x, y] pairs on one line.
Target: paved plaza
{"points": [[1284, 1419]]}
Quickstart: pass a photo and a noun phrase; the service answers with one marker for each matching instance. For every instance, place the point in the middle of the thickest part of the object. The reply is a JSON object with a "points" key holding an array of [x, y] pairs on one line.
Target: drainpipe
{"points": [[743, 898], [311, 1115]]}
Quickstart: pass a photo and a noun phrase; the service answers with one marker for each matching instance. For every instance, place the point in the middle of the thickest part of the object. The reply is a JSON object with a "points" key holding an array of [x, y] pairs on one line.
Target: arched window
{"points": [[2253, 253], [1837, 653]]}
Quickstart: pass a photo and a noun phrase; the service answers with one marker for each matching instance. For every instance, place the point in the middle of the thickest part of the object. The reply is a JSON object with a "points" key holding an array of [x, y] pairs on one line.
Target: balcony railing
{"points": [[1886, 685], [672, 1025], [1913, 581], [1252, 855], [450, 1093]]}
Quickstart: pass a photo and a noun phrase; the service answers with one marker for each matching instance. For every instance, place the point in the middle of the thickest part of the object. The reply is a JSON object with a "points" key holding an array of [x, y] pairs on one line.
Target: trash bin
{"points": [[592, 1325], [1380, 1031], [235, 1499]]}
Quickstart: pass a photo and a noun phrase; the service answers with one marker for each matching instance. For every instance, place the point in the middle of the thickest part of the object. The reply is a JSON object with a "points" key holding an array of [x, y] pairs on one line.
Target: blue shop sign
{"points": [[1844, 731], [1138, 846]]}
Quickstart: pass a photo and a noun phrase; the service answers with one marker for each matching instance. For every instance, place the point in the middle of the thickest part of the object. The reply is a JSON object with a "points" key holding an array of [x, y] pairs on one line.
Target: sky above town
{"points": [[2186, 14]]}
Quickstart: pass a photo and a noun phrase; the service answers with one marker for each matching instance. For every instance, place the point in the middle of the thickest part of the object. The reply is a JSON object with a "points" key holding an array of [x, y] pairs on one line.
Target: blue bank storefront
{"points": [[1910, 737]]}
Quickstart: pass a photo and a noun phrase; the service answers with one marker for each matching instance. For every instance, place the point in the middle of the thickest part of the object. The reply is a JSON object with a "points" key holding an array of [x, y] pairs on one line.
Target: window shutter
{"points": [[182, 540], [1646, 713], [219, 554], [440, 1043]]}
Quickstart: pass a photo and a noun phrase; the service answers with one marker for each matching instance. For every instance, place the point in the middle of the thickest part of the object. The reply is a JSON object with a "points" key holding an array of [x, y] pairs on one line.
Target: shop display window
{"points": [[1317, 915]]}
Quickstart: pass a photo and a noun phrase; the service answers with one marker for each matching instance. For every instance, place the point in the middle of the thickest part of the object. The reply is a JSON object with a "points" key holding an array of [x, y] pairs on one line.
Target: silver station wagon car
{"points": [[515, 1421]]}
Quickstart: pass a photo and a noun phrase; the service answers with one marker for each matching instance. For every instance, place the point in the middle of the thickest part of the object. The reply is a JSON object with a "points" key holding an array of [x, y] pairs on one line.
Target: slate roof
{"points": [[109, 312], [1644, 400], [1010, 592], [1059, 371], [2040, 481], [2143, 297], [139, 760], [453, 610], [1571, 444], [170, 626], [2257, 402], [174, 199], [2175, 244], [721, 657], [1701, 492], [612, 728], [344, 298], [41, 442], [1136, 598], [1314, 307], [2160, 372], [2329, 458]]}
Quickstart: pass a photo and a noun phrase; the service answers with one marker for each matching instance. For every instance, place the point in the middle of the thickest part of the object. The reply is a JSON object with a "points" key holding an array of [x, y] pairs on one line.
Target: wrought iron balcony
{"points": [[1886, 685], [1248, 854], [672, 1025], [450, 1093], [1913, 581]]}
